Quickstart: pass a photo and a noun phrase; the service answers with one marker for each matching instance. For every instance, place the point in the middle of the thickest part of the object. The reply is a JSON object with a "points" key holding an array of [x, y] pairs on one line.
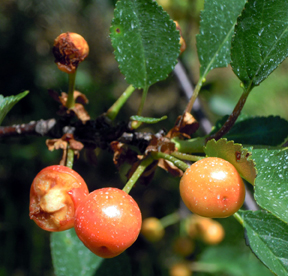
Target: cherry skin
{"points": [[180, 269], [54, 195], [213, 234], [69, 50], [208, 230], [108, 221], [212, 187], [195, 225], [184, 246], [152, 229]]}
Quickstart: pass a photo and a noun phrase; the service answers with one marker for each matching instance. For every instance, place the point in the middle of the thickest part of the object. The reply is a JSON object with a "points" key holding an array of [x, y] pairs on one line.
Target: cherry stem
{"points": [[70, 104], [178, 163], [183, 229], [115, 108], [71, 101], [232, 118], [238, 218], [195, 145], [140, 169], [70, 158], [187, 157], [170, 219], [204, 267]]}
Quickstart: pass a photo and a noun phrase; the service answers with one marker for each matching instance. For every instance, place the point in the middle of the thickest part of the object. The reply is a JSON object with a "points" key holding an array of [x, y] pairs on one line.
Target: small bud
{"points": [[69, 50]]}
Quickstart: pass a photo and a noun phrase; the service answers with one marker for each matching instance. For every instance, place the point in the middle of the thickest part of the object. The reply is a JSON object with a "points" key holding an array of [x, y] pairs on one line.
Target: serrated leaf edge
{"points": [[249, 159], [251, 84]]}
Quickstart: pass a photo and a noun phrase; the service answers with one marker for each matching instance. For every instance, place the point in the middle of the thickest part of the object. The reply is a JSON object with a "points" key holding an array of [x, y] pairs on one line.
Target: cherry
{"points": [[208, 230], [195, 225], [69, 50], [212, 187], [213, 234], [108, 221], [184, 246], [54, 195], [152, 229], [180, 269]]}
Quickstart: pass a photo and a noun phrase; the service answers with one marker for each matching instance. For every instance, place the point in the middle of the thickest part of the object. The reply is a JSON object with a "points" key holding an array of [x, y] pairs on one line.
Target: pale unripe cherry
{"points": [[212, 187], [208, 230], [184, 246], [213, 234], [152, 229], [180, 269], [196, 224]]}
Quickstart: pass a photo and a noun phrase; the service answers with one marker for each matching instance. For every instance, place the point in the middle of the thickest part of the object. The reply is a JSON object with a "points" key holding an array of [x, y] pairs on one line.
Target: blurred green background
{"points": [[27, 31]]}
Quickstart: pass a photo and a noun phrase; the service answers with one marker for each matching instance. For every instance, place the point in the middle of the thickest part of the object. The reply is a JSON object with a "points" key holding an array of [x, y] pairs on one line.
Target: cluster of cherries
{"points": [[108, 220]]}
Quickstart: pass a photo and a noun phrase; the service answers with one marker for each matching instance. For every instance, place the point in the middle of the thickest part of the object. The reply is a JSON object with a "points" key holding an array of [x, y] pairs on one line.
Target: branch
{"points": [[94, 133], [41, 127]]}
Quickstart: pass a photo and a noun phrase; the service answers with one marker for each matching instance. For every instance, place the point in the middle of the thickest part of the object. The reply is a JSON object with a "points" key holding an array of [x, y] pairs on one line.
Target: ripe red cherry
{"points": [[54, 195], [108, 221], [212, 187]]}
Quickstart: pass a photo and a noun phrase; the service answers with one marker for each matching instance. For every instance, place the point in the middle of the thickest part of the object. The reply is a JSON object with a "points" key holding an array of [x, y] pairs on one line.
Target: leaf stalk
{"points": [[232, 118], [194, 95], [136, 124], [116, 107], [238, 218]]}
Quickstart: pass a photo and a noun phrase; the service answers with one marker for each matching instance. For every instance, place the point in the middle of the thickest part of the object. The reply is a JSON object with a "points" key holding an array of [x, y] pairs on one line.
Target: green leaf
{"points": [[229, 151], [145, 41], [232, 260], [270, 131], [118, 266], [260, 41], [6, 103], [216, 28], [71, 257], [267, 236], [147, 120], [271, 190]]}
